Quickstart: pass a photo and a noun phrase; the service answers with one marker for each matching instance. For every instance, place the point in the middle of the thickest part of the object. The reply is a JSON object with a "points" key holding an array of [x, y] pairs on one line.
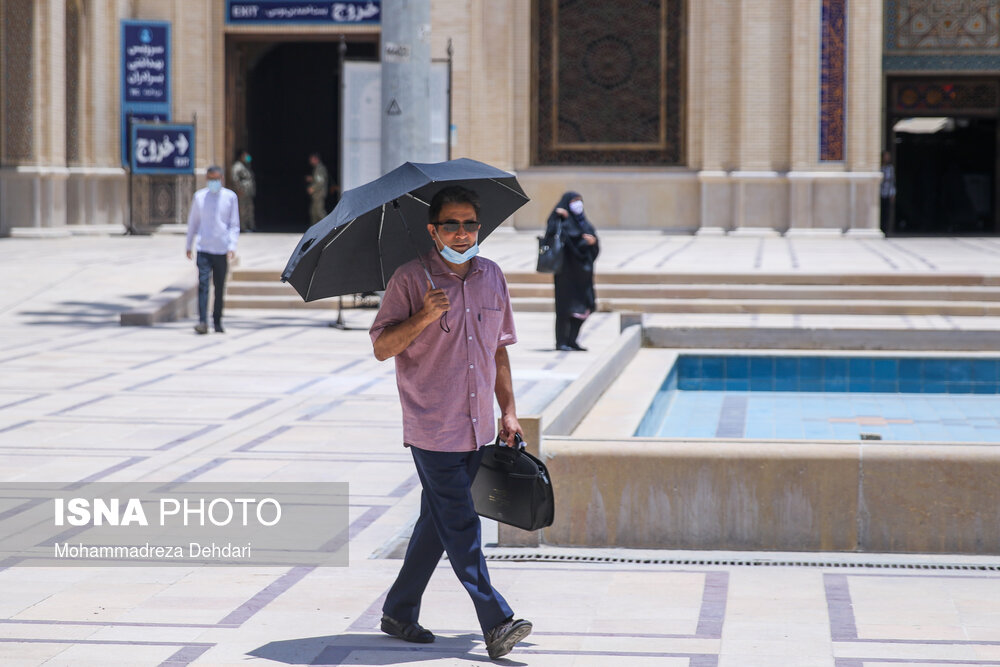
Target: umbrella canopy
{"points": [[379, 226]]}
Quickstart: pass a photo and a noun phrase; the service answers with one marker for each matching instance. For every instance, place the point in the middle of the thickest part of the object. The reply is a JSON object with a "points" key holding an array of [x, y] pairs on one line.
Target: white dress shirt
{"points": [[215, 220]]}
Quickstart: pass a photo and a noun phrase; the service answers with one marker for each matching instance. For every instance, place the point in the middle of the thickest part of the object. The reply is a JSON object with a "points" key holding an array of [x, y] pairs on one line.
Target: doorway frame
{"points": [[894, 112], [236, 63]]}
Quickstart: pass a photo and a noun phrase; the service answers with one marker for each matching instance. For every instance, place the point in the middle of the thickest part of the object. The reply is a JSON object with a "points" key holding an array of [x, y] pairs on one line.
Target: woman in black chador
{"points": [[575, 299]]}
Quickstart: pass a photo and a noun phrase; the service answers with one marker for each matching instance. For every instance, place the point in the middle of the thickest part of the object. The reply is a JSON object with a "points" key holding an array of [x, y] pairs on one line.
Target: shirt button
{"points": [[473, 395], [470, 366], [466, 310], [473, 421], [470, 337]]}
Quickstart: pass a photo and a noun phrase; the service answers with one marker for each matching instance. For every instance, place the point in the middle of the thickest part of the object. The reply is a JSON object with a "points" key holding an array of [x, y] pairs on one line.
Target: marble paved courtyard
{"points": [[282, 397]]}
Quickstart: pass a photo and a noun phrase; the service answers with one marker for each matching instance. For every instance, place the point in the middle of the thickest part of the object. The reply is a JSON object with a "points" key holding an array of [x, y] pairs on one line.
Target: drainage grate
{"points": [[828, 563]]}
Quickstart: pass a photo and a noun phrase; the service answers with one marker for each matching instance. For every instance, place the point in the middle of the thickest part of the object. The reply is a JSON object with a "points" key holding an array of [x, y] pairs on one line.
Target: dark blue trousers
{"points": [[448, 523], [214, 267]]}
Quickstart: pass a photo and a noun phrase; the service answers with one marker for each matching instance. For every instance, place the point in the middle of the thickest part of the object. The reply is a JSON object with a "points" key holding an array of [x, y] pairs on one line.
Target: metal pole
{"points": [[342, 53], [130, 230], [450, 53], [406, 67]]}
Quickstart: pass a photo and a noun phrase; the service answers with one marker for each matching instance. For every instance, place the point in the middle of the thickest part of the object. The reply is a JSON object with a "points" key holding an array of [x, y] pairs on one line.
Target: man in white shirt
{"points": [[215, 220]]}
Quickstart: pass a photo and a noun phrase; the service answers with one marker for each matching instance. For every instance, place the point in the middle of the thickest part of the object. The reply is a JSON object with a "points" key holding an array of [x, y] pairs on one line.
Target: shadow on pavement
{"points": [[374, 650], [77, 313]]}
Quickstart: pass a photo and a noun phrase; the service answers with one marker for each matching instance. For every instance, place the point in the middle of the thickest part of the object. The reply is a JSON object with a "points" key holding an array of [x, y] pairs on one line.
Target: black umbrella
{"points": [[379, 226]]}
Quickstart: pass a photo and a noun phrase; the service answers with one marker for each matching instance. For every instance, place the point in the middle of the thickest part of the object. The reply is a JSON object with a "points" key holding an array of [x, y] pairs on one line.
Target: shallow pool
{"points": [[817, 397]]}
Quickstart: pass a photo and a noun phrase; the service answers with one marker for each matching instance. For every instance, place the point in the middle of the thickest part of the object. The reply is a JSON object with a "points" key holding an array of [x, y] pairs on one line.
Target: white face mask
{"points": [[214, 186], [576, 206]]}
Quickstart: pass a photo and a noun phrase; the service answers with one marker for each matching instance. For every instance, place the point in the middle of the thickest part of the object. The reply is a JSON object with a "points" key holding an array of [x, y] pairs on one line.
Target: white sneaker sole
{"points": [[508, 643]]}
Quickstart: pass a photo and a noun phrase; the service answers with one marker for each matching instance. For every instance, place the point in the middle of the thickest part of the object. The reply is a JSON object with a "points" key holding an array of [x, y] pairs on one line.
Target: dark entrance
{"points": [[284, 103], [944, 143]]}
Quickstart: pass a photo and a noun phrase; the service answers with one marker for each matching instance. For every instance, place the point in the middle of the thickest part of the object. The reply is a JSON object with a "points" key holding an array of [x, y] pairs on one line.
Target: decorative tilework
{"points": [[955, 25], [609, 82], [941, 35], [944, 95], [833, 80]]}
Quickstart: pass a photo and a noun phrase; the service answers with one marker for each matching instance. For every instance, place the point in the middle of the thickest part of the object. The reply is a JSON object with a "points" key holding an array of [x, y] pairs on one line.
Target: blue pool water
{"points": [[815, 397]]}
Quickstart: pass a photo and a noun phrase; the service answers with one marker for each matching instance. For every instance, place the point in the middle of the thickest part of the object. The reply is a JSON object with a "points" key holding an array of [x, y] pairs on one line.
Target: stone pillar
{"points": [[46, 177], [406, 63], [864, 113], [804, 120], [713, 110], [833, 196], [107, 194], [764, 97]]}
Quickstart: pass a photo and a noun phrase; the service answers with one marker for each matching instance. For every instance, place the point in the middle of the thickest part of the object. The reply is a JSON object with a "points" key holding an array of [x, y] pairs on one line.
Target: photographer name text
{"points": [[213, 550]]}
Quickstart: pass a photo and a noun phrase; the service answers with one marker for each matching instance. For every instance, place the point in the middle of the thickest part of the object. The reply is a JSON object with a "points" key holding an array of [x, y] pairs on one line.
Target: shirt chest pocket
{"points": [[489, 324], [226, 209]]}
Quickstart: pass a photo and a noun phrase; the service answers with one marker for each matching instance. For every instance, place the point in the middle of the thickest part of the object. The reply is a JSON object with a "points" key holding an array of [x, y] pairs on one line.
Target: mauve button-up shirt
{"points": [[446, 380]]}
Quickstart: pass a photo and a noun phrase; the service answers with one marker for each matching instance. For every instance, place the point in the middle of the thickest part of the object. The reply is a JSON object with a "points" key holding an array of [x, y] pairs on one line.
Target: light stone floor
{"points": [[282, 397]]}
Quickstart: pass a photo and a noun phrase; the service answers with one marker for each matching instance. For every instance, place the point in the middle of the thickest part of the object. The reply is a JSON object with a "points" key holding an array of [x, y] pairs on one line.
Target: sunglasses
{"points": [[451, 226]]}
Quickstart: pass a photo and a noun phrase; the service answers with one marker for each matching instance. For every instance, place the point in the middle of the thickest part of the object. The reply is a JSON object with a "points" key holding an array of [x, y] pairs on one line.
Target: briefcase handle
{"points": [[509, 454]]}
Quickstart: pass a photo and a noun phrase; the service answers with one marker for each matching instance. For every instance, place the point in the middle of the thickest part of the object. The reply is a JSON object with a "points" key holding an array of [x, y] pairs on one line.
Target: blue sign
{"points": [[146, 61], [302, 11], [162, 149], [145, 77], [132, 117]]}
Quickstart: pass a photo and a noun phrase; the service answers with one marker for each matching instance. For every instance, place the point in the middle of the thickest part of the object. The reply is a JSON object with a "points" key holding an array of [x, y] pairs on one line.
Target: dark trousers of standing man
{"points": [[448, 523], [214, 266], [885, 213]]}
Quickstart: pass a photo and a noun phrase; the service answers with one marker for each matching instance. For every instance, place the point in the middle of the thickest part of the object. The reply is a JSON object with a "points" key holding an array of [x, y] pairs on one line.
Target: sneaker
{"points": [[501, 639], [201, 328]]}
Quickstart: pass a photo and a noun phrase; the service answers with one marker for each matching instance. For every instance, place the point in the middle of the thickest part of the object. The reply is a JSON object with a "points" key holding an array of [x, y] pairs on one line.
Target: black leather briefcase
{"points": [[513, 487]]}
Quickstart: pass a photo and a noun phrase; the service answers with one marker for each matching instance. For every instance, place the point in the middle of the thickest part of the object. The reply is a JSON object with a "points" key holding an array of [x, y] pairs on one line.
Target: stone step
{"points": [[802, 292], [280, 302], [819, 332], [640, 278], [730, 292], [258, 288], [755, 278], [289, 299], [777, 306]]}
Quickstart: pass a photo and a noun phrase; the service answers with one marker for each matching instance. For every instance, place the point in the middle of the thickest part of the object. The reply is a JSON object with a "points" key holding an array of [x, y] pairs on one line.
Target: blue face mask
{"points": [[459, 257], [214, 186], [456, 257]]}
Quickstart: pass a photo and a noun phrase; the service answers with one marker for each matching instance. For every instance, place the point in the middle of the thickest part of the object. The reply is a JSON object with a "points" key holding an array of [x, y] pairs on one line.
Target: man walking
{"points": [[450, 347], [318, 182], [215, 220]]}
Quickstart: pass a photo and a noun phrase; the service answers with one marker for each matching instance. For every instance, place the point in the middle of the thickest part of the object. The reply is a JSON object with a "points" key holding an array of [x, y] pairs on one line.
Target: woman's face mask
{"points": [[576, 206]]}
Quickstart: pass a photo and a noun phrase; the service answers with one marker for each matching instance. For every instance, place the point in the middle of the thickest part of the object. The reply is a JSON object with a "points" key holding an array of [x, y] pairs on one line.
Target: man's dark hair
{"points": [[453, 194]]}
